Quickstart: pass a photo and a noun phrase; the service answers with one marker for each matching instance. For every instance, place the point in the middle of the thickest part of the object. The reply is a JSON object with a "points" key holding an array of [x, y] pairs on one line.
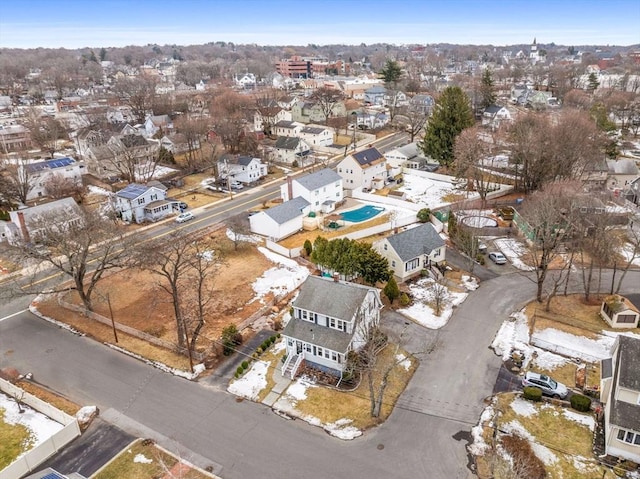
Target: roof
{"points": [[132, 191], [287, 142], [624, 166], [321, 335], [67, 204], [411, 150], [415, 242], [625, 415], [314, 130], [286, 124], [336, 299], [318, 179], [242, 160], [133, 140], [367, 157], [628, 354], [493, 109], [50, 164], [287, 210], [375, 89]]}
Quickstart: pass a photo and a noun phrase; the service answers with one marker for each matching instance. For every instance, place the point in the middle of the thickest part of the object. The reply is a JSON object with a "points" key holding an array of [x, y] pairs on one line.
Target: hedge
{"points": [[532, 393]]}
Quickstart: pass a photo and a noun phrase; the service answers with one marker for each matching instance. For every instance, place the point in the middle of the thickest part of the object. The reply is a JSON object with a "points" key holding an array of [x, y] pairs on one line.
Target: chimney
{"points": [[289, 188], [23, 227]]}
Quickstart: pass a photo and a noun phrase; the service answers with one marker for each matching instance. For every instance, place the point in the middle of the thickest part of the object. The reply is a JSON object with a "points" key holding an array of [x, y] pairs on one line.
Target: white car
{"points": [[497, 258], [183, 217], [236, 185]]}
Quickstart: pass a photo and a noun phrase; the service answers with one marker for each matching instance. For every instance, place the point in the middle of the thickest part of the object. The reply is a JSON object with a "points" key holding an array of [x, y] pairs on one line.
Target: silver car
{"points": [[546, 384], [497, 257]]}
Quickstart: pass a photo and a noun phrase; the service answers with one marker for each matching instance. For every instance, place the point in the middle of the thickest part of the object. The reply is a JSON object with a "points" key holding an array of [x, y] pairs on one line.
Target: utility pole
{"points": [[113, 323]]}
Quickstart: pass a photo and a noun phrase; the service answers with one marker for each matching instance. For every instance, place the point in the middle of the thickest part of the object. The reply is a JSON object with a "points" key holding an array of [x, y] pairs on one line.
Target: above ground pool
{"points": [[362, 214]]}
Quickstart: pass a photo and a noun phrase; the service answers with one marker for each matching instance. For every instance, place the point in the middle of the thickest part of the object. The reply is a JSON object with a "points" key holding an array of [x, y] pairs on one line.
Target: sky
{"points": [[117, 23]]}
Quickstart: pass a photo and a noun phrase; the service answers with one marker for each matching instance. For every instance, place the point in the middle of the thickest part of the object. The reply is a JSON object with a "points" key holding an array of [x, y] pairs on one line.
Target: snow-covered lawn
{"points": [[281, 279], [425, 291], [513, 250], [430, 192], [627, 252], [40, 427], [252, 382], [254, 239]]}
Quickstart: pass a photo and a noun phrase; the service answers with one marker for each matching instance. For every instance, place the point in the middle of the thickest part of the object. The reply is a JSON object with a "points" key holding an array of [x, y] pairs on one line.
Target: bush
{"points": [[523, 460], [404, 300], [272, 339], [230, 338], [245, 364], [424, 215], [278, 335], [532, 394], [283, 358], [265, 344], [259, 350], [295, 164], [239, 371], [580, 403], [391, 290], [308, 247], [236, 375]]}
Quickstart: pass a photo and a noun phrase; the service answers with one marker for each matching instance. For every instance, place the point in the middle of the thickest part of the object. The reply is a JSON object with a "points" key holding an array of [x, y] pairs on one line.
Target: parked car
{"points": [[183, 205], [236, 185], [546, 384], [183, 217], [482, 247], [497, 257]]}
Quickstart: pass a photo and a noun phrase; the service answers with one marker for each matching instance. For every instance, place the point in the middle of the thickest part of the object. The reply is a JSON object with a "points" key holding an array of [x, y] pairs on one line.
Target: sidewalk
{"points": [[282, 383]]}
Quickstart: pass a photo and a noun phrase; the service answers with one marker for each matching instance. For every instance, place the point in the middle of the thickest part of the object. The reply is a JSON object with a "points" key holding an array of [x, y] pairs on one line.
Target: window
{"points": [[385, 246], [319, 351], [393, 264], [626, 318], [141, 201], [411, 265], [629, 437], [334, 356], [304, 314]]}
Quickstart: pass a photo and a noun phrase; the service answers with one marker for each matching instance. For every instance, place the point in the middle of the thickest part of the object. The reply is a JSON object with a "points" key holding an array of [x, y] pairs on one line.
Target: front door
{"points": [[298, 347]]}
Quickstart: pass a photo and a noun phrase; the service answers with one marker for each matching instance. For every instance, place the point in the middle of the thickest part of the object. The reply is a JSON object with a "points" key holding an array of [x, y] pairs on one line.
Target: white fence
{"points": [[385, 200], [36, 456], [289, 253]]}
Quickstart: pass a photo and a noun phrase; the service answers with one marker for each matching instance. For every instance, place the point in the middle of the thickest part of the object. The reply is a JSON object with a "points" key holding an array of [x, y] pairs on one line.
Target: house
{"points": [[14, 138], [288, 150], [375, 95], [622, 172], [407, 156], [248, 80], [265, 119], [494, 115], [363, 169], [594, 175], [40, 174], [118, 153], [412, 250], [322, 189], [178, 143], [394, 99], [242, 168], [620, 393], [141, 203], [311, 112], [287, 128], [632, 194], [330, 319], [154, 124], [369, 119], [280, 221], [26, 224], [619, 312], [316, 136], [422, 103]]}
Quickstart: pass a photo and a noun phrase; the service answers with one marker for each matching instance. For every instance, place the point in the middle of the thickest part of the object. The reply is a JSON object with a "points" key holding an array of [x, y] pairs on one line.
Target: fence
{"points": [[563, 350], [289, 253], [198, 356], [385, 200], [34, 457]]}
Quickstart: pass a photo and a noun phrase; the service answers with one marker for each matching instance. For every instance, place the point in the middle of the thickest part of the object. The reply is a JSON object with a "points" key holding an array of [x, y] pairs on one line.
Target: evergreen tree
{"points": [[371, 265], [451, 115], [391, 72], [391, 289], [594, 83], [103, 54], [487, 94]]}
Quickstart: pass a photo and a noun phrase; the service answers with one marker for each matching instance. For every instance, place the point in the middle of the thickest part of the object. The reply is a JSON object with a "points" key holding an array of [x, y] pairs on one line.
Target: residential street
{"points": [[424, 437]]}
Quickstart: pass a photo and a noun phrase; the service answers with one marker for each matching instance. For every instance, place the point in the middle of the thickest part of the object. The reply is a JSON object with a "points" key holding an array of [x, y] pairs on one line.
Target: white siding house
{"points": [[245, 169], [316, 136], [26, 224], [42, 172], [322, 189], [362, 169], [280, 221], [620, 391], [412, 250], [330, 318], [141, 203], [288, 150]]}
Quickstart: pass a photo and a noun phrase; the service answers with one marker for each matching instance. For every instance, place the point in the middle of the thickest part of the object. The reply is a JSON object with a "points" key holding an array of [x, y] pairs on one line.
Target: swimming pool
{"points": [[362, 214]]}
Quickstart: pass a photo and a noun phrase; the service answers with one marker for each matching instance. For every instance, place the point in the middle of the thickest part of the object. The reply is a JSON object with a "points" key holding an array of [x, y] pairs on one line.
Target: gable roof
{"points": [[318, 179], [287, 142], [493, 109], [628, 354], [288, 210], [336, 299], [50, 164], [416, 241], [133, 140], [68, 205], [623, 166], [411, 150], [286, 124], [132, 191], [314, 130], [367, 157]]}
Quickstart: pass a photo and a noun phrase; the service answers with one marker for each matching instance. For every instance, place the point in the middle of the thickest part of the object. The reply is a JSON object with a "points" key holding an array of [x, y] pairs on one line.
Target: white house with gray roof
{"points": [[242, 168], [412, 250], [280, 221], [290, 149], [141, 203], [322, 189], [26, 224], [407, 156], [363, 169], [316, 136], [330, 318], [620, 392], [622, 172]]}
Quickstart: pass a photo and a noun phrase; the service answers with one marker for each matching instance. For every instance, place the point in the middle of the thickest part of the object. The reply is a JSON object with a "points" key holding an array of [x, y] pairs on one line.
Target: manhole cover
{"points": [[380, 447]]}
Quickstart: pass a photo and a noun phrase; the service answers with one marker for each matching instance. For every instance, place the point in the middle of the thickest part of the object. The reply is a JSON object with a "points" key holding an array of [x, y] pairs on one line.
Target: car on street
{"points": [[547, 385], [183, 217], [497, 257]]}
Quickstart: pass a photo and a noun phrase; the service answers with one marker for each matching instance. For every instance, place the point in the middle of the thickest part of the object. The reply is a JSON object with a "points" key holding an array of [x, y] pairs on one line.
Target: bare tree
{"points": [[327, 99], [78, 244], [239, 229], [439, 295], [194, 130], [416, 120], [17, 179], [548, 213], [139, 93], [58, 186], [45, 132], [470, 150], [633, 237]]}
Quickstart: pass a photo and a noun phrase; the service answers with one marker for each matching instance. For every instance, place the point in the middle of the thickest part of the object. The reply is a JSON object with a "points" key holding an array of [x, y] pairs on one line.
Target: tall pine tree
{"points": [[451, 115], [487, 94]]}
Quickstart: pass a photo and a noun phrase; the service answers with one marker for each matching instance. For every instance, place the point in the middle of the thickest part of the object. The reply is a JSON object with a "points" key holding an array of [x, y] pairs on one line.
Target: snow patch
{"points": [[197, 369], [584, 419], [402, 361], [244, 238], [85, 414], [522, 407], [342, 430], [40, 427], [252, 382], [423, 292], [513, 250], [142, 459], [543, 453], [279, 280]]}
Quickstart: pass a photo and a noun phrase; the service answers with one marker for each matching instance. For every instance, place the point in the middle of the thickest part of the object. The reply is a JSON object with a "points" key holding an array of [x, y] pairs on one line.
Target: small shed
{"points": [[619, 312]]}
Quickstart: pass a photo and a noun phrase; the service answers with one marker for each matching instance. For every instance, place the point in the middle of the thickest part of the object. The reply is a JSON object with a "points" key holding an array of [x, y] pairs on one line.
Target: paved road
{"points": [[424, 437]]}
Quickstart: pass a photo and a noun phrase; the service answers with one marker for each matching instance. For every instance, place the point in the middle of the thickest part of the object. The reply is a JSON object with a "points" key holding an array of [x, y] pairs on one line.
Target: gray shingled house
{"points": [[620, 392], [330, 318], [412, 250], [280, 221]]}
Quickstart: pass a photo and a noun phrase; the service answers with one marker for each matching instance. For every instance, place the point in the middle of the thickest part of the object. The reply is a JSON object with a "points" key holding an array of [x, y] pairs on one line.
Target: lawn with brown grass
{"points": [[566, 373], [330, 405], [16, 439], [49, 396], [274, 360], [146, 461], [566, 438]]}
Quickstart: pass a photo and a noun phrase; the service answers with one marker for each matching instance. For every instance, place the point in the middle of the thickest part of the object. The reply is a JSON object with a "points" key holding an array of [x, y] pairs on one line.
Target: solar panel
{"points": [[53, 475]]}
